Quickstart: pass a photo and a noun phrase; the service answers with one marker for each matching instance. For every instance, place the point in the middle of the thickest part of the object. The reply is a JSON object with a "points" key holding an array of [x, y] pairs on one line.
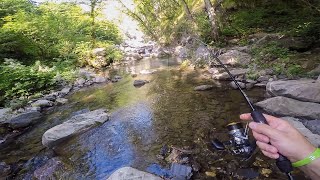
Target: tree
{"points": [[95, 7], [213, 19]]}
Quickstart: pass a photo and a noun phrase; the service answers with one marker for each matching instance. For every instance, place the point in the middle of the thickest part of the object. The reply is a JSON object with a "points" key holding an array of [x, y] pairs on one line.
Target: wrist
{"points": [[305, 152]]}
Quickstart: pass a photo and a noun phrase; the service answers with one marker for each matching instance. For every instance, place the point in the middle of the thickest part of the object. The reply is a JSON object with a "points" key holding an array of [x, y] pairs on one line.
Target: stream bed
{"points": [[166, 111]]}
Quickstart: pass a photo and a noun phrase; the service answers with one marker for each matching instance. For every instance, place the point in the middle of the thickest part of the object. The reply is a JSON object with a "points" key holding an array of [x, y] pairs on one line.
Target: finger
{"points": [[260, 137], [273, 121], [270, 155], [267, 147], [246, 117], [266, 130]]}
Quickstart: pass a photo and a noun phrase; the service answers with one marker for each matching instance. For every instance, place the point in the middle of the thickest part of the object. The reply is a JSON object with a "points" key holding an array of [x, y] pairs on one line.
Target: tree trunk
{"points": [[187, 10], [93, 5], [213, 19]]}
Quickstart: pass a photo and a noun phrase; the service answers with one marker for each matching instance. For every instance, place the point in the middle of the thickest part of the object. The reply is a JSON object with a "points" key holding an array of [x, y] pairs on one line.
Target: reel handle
{"points": [[282, 162]]}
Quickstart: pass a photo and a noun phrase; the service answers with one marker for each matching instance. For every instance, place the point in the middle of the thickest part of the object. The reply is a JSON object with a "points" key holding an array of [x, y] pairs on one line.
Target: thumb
{"points": [[265, 129]]}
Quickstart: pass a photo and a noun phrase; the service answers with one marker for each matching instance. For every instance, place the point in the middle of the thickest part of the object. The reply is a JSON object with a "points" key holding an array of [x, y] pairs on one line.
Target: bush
{"points": [[17, 80]]}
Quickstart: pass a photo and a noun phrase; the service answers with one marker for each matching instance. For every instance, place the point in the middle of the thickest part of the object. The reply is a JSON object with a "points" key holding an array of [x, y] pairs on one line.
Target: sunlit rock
{"points": [[75, 125]]}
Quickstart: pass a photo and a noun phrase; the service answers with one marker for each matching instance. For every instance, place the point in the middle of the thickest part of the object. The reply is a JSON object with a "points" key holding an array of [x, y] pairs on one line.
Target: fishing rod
{"points": [[282, 162]]}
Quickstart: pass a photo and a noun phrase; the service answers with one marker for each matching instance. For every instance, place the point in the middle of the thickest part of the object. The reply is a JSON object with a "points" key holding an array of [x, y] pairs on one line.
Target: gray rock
{"points": [[51, 97], [47, 171], [249, 86], [4, 113], [129, 173], [234, 72], [251, 81], [202, 52], [261, 84], [23, 120], [263, 78], [318, 79], [181, 52], [313, 125], [61, 101], [75, 125], [147, 71], [304, 90], [65, 91], [180, 172], [313, 138], [80, 82], [135, 56], [139, 82], [203, 88], [213, 70], [99, 79], [235, 57], [42, 103], [234, 86], [33, 109], [290, 107]]}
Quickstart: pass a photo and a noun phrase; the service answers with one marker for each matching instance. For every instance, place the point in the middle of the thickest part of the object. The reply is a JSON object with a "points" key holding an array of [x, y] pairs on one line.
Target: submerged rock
{"points": [[179, 171], [203, 88], [290, 107], [75, 125], [138, 83], [129, 173], [304, 90], [47, 171]]}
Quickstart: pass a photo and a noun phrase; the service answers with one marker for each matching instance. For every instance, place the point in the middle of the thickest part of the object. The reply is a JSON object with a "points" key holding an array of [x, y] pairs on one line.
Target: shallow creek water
{"points": [[166, 111]]}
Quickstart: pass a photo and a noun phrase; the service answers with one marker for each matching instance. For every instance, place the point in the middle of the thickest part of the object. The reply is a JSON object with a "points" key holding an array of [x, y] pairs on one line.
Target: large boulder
{"points": [[313, 138], [23, 120], [304, 90], [290, 107], [234, 72], [295, 43], [235, 57], [129, 173], [75, 125]]}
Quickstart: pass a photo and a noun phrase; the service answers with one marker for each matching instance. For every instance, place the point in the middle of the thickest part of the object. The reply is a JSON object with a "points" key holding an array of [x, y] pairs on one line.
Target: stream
{"points": [[166, 111]]}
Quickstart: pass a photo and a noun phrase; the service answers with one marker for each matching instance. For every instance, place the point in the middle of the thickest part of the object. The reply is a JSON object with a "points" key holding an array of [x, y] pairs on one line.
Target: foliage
{"points": [[271, 55], [48, 42], [286, 17]]}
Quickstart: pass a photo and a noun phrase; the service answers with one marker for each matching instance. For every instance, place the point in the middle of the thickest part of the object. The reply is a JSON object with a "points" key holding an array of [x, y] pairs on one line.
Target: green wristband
{"points": [[313, 156]]}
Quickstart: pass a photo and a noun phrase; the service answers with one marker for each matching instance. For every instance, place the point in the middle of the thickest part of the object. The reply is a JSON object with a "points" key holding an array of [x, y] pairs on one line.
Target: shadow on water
{"points": [[166, 111]]}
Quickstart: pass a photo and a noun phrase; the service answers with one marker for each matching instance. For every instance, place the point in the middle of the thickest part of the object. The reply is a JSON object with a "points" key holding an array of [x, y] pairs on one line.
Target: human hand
{"points": [[282, 136]]}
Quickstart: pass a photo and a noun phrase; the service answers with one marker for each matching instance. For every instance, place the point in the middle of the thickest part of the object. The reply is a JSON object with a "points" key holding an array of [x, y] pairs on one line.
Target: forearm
{"points": [[312, 169]]}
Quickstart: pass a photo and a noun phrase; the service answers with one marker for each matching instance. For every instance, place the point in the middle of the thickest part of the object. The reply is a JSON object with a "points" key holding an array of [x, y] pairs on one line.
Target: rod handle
{"points": [[282, 162]]}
